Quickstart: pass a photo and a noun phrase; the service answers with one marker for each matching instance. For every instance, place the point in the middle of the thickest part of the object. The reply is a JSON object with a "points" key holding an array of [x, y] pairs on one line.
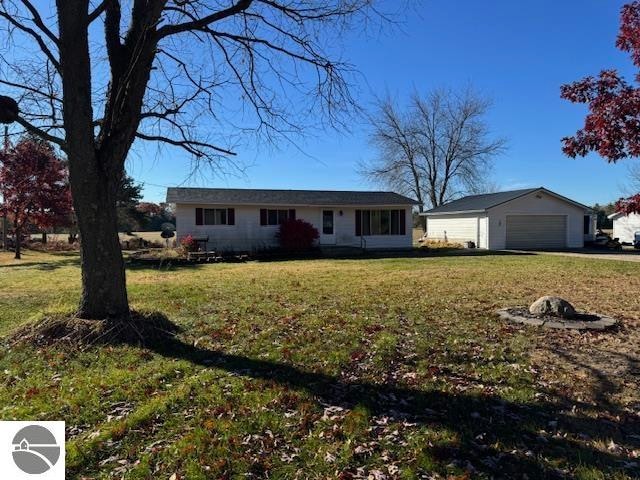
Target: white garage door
{"points": [[536, 231]]}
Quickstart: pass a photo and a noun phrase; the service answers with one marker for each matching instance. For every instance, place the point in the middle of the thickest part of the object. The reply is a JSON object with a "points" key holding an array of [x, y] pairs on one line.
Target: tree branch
{"points": [[194, 147], [30, 31], [198, 24], [99, 10], [37, 20], [41, 133]]}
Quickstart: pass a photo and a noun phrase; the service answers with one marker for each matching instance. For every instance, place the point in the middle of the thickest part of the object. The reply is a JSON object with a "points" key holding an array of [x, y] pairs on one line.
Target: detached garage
{"points": [[534, 218], [625, 226]]}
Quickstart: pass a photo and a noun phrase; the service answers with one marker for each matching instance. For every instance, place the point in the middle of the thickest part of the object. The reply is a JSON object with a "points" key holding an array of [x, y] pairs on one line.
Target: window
{"points": [[215, 216], [380, 222], [395, 222], [375, 222], [385, 222], [276, 217], [327, 222]]}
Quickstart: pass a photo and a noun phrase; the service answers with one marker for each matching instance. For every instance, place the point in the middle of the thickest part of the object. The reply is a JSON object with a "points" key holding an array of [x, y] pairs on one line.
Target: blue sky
{"points": [[516, 53]]}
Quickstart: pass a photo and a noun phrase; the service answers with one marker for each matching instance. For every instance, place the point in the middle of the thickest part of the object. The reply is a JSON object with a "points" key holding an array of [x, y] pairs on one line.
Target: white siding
{"points": [[457, 228], [624, 227], [536, 203], [248, 234]]}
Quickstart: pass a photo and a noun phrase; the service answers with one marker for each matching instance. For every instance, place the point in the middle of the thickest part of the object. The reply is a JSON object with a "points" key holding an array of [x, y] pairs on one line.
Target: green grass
{"points": [[385, 368]]}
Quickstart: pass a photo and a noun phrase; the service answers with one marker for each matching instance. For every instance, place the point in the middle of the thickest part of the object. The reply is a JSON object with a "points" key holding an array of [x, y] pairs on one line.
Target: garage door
{"points": [[536, 231]]}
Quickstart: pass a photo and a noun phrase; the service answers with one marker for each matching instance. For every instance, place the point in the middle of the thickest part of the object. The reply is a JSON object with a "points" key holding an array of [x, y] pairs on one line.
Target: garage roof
{"points": [[245, 196], [481, 203]]}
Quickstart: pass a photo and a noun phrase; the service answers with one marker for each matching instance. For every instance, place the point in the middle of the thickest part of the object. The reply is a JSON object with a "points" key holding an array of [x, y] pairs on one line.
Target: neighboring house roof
{"points": [[242, 196], [483, 202], [617, 215]]}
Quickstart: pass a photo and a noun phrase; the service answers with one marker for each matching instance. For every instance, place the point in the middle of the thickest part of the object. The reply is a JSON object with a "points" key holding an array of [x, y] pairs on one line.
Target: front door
{"points": [[328, 232]]}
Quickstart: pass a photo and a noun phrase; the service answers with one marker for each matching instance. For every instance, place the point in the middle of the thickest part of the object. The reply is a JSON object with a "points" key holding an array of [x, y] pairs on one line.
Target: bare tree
{"points": [[95, 76], [435, 150]]}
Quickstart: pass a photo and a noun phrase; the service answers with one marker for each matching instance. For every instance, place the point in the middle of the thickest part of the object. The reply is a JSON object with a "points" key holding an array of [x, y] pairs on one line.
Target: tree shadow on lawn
{"points": [[44, 265], [500, 438], [357, 254]]}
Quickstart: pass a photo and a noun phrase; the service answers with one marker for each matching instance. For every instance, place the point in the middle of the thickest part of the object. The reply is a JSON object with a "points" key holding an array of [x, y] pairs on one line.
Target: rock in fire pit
{"points": [[556, 312]]}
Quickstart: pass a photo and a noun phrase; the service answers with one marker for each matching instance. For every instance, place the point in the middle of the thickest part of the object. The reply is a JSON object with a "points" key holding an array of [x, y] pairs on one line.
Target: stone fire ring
{"points": [[581, 321]]}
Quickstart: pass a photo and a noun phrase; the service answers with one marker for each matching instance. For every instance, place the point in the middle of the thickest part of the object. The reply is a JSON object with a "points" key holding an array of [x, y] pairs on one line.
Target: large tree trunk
{"points": [[44, 237], [93, 179], [104, 292]]}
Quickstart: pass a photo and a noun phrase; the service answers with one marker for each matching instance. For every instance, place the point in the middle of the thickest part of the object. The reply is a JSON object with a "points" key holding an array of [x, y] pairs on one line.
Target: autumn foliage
{"points": [[297, 235], [612, 125], [34, 187]]}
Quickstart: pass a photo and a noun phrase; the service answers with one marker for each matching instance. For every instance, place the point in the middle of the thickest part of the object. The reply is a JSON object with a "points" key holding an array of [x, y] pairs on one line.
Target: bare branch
{"points": [[436, 149], [194, 147], [37, 20], [40, 132], [12, 20], [99, 10], [199, 23]]}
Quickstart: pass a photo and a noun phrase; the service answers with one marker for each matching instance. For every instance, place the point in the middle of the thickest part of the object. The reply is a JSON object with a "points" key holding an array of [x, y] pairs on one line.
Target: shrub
{"points": [[189, 244], [54, 246], [297, 235]]}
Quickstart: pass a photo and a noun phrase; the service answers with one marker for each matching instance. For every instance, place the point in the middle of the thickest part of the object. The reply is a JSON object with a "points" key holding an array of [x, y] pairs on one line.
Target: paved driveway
{"points": [[626, 255]]}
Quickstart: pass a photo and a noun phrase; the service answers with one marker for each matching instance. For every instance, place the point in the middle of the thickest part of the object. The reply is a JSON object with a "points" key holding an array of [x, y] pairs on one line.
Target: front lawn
{"points": [[385, 368]]}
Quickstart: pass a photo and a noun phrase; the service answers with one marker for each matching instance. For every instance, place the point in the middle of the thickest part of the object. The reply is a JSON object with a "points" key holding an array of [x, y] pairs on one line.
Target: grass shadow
{"points": [[44, 265], [501, 439]]}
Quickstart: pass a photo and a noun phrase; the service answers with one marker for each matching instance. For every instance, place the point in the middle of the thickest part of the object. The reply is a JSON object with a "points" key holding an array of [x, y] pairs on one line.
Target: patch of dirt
{"points": [[141, 329]]}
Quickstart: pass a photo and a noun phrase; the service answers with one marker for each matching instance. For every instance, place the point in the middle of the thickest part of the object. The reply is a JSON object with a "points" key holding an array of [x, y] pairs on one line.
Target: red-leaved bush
{"points": [[189, 244], [297, 235]]}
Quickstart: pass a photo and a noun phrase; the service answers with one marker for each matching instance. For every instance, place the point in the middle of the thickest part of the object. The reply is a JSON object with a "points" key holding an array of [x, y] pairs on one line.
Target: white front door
{"points": [[328, 230]]}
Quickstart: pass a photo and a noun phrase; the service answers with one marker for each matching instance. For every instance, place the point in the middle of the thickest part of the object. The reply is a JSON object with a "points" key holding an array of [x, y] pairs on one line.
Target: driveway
{"points": [[626, 255]]}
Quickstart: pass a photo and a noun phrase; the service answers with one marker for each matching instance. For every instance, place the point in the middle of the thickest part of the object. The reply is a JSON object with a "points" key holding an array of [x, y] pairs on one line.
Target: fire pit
{"points": [[556, 312]]}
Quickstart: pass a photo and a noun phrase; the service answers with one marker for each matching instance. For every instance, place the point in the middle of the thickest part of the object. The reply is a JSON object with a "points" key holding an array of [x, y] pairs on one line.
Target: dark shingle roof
{"points": [[479, 203], [242, 196]]}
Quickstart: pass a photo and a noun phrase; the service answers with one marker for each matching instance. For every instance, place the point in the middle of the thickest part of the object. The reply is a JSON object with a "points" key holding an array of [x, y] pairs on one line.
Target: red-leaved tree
{"points": [[34, 187], [612, 126]]}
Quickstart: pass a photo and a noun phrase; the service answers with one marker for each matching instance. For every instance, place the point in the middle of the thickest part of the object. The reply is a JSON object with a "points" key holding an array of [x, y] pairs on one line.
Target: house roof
{"points": [[483, 202], [242, 196]]}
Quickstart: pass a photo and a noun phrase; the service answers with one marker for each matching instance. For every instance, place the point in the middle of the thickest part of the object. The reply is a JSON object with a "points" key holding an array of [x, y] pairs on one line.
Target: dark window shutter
{"points": [[292, 214], [403, 222], [198, 216], [231, 216], [263, 216], [358, 223]]}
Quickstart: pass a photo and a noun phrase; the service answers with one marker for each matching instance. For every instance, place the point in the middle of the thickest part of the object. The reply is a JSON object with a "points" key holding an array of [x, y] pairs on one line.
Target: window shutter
{"points": [[292, 214], [263, 216], [403, 222], [231, 216], [198, 216], [358, 223]]}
